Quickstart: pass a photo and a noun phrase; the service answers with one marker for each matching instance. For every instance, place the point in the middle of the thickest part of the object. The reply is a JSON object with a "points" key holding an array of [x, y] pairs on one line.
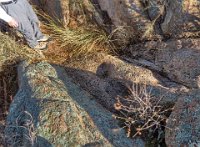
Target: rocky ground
{"points": [[160, 46]]}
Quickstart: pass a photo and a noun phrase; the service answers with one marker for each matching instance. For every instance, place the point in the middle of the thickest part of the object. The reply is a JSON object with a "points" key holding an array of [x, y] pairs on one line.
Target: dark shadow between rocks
{"points": [[115, 87], [105, 87]]}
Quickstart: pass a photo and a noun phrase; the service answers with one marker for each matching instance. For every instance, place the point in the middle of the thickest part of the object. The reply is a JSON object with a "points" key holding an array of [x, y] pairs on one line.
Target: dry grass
{"points": [[12, 50], [81, 41], [80, 36], [24, 122]]}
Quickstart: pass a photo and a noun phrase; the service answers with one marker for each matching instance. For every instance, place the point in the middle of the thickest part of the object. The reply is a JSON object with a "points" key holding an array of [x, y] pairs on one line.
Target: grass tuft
{"points": [[80, 41]]}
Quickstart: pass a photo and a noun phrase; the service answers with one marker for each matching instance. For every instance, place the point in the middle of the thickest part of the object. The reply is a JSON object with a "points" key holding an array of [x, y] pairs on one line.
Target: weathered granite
{"points": [[177, 59], [183, 127], [50, 110]]}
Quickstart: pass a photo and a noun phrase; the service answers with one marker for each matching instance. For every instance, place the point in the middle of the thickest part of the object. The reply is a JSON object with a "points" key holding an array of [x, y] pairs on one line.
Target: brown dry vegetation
{"points": [[142, 116]]}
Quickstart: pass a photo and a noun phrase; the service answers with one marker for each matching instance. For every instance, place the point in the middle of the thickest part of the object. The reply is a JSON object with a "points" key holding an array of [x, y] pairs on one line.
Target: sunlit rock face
{"points": [[175, 17], [129, 19]]}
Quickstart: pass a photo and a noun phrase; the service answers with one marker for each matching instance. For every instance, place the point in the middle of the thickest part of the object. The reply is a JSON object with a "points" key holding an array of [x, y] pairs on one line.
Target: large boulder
{"points": [[183, 127], [127, 16], [144, 19], [50, 110]]}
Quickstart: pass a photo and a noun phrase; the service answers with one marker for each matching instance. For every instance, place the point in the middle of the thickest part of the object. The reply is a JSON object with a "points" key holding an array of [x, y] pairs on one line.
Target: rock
{"points": [[113, 67], [148, 19], [145, 50], [175, 18], [183, 127], [70, 13], [50, 110], [2, 137], [178, 59], [182, 18], [128, 18], [106, 77], [58, 9]]}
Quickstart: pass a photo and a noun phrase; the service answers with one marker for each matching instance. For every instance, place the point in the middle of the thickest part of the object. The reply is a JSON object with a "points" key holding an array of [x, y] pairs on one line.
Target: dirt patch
{"points": [[8, 88], [54, 54]]}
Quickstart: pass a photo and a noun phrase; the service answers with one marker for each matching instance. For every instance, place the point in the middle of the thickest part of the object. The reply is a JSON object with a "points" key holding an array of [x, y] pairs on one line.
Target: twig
{"points": [[141, 111]]}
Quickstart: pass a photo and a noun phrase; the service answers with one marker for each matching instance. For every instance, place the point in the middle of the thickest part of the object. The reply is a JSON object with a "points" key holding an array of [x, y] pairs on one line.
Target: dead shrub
{"points": [[141, 113]]}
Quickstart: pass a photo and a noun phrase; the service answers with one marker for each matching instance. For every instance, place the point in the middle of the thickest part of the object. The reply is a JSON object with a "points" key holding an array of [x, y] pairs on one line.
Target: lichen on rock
{"points": [[50, 110]]}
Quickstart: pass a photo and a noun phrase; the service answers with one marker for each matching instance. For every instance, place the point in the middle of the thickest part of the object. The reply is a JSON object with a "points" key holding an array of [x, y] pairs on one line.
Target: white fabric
{"points": [[3, 15]]}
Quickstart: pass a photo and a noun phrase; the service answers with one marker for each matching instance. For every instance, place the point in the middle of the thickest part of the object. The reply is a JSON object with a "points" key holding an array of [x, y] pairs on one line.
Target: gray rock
{"points": [[50, 110], [57, 9], [182, 18], [177, 59], [128, 18], [183, 127]]}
